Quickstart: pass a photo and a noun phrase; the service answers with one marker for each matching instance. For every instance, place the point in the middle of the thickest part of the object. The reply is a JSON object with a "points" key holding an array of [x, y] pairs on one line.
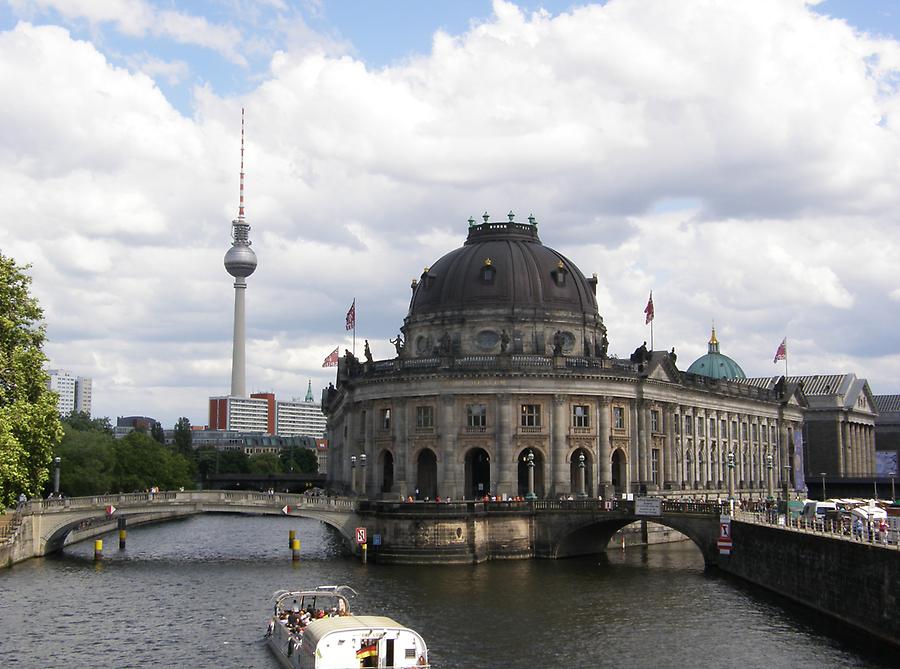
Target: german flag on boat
{"points": [[369, 649]]}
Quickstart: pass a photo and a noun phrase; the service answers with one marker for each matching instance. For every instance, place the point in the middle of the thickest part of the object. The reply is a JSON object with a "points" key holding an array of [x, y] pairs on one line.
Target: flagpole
{"points": [[651, 336], [354, 327], [785, 359]]}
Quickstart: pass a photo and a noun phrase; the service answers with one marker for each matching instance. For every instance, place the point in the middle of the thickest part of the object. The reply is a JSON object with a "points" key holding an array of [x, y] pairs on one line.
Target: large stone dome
{"points": [[503, 282]]}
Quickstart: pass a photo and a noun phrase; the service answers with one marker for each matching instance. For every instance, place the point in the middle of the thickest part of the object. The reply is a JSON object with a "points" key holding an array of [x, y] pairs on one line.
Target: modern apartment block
{"points": [[74, 391], [299, 418], [262, 413]]}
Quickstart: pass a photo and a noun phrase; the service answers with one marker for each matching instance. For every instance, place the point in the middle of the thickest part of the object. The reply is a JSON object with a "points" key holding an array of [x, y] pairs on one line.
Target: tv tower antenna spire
{"points": [[240, 262]]}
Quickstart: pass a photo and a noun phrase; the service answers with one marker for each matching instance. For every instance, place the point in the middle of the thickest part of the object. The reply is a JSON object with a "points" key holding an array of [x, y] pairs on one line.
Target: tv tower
{"points": [[240, 261]]}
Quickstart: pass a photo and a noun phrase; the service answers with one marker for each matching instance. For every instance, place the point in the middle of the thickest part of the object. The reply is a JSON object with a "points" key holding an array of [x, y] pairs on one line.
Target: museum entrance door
{"points": [[619, 473], [426, 474], [478, 473]]}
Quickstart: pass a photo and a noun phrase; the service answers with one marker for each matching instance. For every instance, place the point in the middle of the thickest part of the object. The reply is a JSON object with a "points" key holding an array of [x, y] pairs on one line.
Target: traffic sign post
{"points": [[725, 543], [360, 535]]}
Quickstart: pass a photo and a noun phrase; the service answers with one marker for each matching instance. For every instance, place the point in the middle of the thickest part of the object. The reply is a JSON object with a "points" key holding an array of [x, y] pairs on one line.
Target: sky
{"points": [[739, 159]]}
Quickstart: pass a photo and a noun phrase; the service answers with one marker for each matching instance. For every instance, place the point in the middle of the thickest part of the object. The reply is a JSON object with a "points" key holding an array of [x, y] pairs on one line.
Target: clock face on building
{"points": [[487, 340]]}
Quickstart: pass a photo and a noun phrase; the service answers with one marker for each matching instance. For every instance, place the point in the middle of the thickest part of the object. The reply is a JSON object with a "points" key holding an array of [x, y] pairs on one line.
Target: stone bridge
{"points": [[45, 526], [417, 532]]}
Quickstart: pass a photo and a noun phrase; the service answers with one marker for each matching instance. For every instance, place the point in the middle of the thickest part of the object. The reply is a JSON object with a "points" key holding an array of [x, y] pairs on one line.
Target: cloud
{"points": [[740, 161]]}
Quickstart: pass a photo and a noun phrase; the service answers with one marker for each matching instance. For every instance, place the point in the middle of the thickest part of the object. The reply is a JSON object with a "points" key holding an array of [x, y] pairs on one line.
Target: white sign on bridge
{"points": [[648, 506]]}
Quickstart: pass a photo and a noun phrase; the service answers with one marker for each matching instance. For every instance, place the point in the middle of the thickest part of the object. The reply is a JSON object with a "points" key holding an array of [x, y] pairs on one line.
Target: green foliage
{"points": [[184, 438], [142, 462], [79, 420], [88, 462], [29, 423], [157, 433], [265, 463], [233, 462], [301, 460]]}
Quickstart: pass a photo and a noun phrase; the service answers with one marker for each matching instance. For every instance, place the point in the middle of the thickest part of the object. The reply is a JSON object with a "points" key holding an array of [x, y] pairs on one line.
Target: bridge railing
{"points": [[841, 528]]}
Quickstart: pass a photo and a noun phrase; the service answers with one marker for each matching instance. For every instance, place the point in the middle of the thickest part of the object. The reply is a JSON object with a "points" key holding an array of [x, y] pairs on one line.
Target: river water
{"points": [[196, 593]]}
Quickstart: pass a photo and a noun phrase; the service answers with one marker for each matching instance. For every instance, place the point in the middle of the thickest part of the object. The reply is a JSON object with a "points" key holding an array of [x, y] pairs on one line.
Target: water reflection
{"points": [[196, 593]]}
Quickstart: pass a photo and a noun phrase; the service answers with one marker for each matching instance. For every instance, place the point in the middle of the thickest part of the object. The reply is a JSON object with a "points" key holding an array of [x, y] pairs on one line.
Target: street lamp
{"points": [[529, 461], [56, 462], [822, 474], [353, 474], [893, 496], [729, 459], [362, 462], [581, 492], [770, 481]]}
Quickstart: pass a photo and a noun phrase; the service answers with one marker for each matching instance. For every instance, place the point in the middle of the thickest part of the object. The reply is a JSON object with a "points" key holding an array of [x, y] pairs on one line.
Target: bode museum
{"points": [[502, 386]]}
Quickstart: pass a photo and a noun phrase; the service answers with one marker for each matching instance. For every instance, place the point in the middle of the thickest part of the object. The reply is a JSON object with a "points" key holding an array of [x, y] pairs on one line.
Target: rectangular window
{"points": [[753, 431], [764, 433], [699, 426], [743, 431], [619, 418], [654, 465], [723, 429], [581, 415], [476, 416], [531, 415], [654, 421], [688, 425], [385, 419], [712, 427], [424, 417], [734, 432]]}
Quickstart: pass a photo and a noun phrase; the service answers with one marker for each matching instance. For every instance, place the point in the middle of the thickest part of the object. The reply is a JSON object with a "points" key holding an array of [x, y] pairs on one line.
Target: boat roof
{"points": [[318, 629]]}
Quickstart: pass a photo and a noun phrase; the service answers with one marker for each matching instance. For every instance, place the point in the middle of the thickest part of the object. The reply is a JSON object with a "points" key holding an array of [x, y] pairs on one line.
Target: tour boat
{"points": [[315, 629]]}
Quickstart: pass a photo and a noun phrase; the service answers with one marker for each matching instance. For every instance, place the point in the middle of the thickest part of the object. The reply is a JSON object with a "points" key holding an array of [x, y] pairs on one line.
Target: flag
{"points": [[332, 359], [367, 651], [781, 353], [351, 316], [649, 309]]}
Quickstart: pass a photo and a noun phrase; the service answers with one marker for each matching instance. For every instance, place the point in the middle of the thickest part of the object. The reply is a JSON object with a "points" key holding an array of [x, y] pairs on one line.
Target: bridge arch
{"points": [[592, 537]]}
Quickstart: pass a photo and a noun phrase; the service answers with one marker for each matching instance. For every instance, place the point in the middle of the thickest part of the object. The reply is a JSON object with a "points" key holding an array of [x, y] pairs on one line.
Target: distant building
{"points": [[263, 413], [887, 433], [240, 414], [839, 425], [128, 424], [74, 391]]}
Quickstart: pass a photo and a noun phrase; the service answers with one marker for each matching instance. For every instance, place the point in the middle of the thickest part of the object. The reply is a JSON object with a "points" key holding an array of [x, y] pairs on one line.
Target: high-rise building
{"points": [[74, 391], [241, 414]]}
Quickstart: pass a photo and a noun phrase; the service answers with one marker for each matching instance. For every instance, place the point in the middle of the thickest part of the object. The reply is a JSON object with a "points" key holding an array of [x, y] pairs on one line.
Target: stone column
{"points": [[669, 450], [506, 463], [604, 449], [848, 448], [840, 447], [404, 469], [857, 451], [785, 459], [634, 448], [559, 466], [447, 479], [643, 448]]}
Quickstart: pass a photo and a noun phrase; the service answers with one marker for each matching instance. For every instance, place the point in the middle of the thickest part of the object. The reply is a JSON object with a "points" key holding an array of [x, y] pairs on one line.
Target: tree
{"points": [[29, 423], [157, 432], [142, 462], [184, 437], [82, 421], [88, 462], [265, 463], [300, 459]]}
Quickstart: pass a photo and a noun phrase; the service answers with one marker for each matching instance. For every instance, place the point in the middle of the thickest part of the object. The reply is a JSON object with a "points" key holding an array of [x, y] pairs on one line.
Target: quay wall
{"points": [[854, 582]]}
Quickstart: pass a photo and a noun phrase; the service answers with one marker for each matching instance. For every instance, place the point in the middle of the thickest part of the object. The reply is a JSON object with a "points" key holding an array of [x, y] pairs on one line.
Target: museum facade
{"points": [[503, 386]]}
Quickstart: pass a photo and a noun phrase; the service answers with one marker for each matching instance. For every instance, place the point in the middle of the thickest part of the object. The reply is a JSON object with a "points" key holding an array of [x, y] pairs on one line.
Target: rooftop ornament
{"points": [[486, 217], [511, 216], [471, 221], [532, 219]]}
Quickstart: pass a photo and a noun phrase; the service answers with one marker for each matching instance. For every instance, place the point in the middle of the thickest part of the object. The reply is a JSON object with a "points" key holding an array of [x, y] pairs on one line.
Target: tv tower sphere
{"points": [[240, 260]]}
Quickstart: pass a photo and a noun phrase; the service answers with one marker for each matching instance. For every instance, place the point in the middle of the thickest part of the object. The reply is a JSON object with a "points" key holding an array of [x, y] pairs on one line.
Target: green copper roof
{"points": [[309, 395], [715, 365]]}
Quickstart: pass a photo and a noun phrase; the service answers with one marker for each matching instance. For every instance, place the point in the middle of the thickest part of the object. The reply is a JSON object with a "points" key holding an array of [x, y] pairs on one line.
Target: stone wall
{"points": [[854, 582]]}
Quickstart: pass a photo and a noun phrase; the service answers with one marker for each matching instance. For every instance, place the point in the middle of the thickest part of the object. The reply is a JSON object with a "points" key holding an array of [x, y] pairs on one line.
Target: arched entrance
{"points": [[619, 473], [522, 488], [478, 473], [387, 471], [426, 474], [575, 472]]}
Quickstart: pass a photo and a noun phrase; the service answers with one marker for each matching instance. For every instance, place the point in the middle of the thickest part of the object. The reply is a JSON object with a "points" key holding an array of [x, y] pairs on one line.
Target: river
{"points": [[196, 593]]}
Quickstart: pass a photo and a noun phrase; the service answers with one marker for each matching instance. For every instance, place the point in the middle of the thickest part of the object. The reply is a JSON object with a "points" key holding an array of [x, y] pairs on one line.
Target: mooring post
{"points": [[365, 551], [98, 549], [122, 532], [295, 550], [292, 534]]}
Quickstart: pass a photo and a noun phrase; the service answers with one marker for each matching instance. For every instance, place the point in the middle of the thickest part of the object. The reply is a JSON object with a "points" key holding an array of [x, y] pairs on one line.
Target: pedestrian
{"points": [[857, 529]]}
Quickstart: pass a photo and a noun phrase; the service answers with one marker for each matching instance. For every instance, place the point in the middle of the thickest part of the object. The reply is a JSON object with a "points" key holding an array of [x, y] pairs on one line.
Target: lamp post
{"points": [[729, 459], [786, 484], [529, 461], [353, 474], [362, 486], [893, 495], [770, 480], [581, 492], [822, 474], [56, 462]]}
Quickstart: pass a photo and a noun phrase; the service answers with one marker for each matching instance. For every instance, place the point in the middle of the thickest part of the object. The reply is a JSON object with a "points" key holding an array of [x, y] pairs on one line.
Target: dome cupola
{"points": [[714, 364]]}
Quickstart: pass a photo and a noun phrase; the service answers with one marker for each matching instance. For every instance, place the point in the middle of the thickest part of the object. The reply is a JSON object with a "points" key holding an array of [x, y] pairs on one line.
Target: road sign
{"points": [[110, 510], [648, 506], [724, 542], [360, 535], [285, 509], [376, 539]]}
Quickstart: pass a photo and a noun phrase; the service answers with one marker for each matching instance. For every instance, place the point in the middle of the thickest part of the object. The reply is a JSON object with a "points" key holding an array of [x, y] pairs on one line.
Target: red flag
{"points": [[332, 359], [351, 316], [649, 309], [781, 353]]}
